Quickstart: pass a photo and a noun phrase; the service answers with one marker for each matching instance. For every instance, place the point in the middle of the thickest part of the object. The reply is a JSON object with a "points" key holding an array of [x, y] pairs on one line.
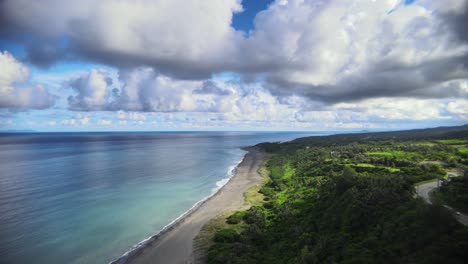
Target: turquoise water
{"points": [[88, 198]]}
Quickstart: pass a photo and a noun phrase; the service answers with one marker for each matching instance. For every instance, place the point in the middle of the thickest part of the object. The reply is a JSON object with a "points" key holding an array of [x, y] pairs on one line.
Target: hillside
{"points": [[350, 199]]}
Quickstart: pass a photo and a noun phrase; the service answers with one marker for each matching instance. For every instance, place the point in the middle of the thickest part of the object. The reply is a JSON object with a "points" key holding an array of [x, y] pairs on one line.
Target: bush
{"points": [[219, 253], [235, 218], [226, 235], [254, 215]]}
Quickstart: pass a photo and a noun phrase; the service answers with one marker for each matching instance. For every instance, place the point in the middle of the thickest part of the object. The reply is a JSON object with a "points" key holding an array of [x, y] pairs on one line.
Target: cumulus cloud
{"points": [[16, 93], [143, 90], [336, 51], [210, 87], [329, 51], [345, 64], [12, 70], [93, 91], [188, 38]]}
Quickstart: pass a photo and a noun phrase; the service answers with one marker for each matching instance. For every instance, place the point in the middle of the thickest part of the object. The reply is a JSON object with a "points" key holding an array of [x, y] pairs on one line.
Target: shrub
{"points": [[226, 235], [235, 218]]}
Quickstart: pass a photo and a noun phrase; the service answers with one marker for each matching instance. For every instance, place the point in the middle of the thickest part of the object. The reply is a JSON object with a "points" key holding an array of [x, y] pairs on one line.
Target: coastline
{"points": [[173, 243]]}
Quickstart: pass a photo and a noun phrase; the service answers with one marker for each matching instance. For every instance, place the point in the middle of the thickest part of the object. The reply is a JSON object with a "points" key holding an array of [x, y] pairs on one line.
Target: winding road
{"points": [[423, 190]]}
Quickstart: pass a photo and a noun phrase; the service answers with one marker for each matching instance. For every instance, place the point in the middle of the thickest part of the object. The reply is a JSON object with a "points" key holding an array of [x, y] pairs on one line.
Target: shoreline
{"points": [[172, 237]]}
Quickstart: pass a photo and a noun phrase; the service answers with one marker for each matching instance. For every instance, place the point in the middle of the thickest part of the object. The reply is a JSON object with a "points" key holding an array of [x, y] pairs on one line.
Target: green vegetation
{"points": [[236, 218], [349, 199], [463, 150], [454, 192], [398, 154], [252, 196], [367, 165], [452, 141], [230, 220]]}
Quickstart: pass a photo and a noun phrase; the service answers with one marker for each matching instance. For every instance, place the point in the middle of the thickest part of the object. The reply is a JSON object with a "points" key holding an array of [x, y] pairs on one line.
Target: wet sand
{"points": [[175, 245]]}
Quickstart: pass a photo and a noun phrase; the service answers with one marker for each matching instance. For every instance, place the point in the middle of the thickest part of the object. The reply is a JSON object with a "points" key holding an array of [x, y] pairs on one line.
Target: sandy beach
{"points": [[174, 246]]}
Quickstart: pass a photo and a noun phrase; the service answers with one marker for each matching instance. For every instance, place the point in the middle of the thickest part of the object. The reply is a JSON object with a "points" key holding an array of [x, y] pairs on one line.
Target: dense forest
{"points": [[351, 199]]}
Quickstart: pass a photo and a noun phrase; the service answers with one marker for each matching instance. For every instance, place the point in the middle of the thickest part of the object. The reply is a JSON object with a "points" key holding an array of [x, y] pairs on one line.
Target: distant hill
{"points": [[414, 134]]}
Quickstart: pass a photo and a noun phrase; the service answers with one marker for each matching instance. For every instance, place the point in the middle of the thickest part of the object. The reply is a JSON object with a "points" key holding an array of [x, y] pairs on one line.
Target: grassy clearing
{"points": [[281, 197], [253, 197], [463, 150], [288, 171], [424, 143], [388, 154], [452, 141], [391, 169], [396, 154], [367, 165], [284, 171]]}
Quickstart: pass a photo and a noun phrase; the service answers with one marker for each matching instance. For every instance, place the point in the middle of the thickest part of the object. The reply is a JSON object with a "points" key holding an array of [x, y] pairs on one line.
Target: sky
{"points": [[289, 65]]}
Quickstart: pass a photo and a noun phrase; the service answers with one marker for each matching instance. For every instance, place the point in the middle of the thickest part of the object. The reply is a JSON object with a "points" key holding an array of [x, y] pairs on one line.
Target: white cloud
{"points": [[104, 122], [329, 62], [142, 91], [12, 70], [396, 109], [169, 34], [327, 50], [145, 90], [69, 122], [459, 107], [15, 92], [336, 51], [93, 91]]}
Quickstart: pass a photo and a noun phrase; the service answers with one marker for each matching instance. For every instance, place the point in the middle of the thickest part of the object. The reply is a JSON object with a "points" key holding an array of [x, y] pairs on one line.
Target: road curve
{"points": [[423, 190]]}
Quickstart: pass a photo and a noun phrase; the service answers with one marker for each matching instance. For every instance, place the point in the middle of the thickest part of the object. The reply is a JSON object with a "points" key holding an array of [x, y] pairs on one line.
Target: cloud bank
{"points": [[329, 51], [328, 61], [186, 38]]}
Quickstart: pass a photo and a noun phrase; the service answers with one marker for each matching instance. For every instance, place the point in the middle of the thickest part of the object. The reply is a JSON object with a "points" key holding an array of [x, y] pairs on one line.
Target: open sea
{"points": [[89, 197]]}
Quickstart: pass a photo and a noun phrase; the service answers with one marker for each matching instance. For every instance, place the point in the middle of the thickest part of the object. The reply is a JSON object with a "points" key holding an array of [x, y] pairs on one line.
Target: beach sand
{"points": [[174, 246]]}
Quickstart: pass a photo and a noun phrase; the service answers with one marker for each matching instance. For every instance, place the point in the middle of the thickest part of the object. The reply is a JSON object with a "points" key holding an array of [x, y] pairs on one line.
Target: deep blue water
{"points": [[87, 198]]}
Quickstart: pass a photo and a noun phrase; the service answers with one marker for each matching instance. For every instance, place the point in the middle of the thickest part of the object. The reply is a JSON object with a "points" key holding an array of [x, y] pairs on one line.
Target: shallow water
{"points": [[87, 198]]}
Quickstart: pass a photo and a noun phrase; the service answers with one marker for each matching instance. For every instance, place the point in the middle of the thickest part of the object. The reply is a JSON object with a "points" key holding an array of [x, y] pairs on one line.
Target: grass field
{"points": [[395, 154], [452, 141], [463, 150]]}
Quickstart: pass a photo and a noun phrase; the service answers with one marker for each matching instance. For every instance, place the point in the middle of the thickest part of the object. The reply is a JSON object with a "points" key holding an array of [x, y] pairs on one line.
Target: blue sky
{"points": [[236, 65], [245, 20]]}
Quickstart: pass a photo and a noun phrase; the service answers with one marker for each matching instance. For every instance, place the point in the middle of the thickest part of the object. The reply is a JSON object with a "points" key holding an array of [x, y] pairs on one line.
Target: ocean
{"points": [[89, 197]]}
